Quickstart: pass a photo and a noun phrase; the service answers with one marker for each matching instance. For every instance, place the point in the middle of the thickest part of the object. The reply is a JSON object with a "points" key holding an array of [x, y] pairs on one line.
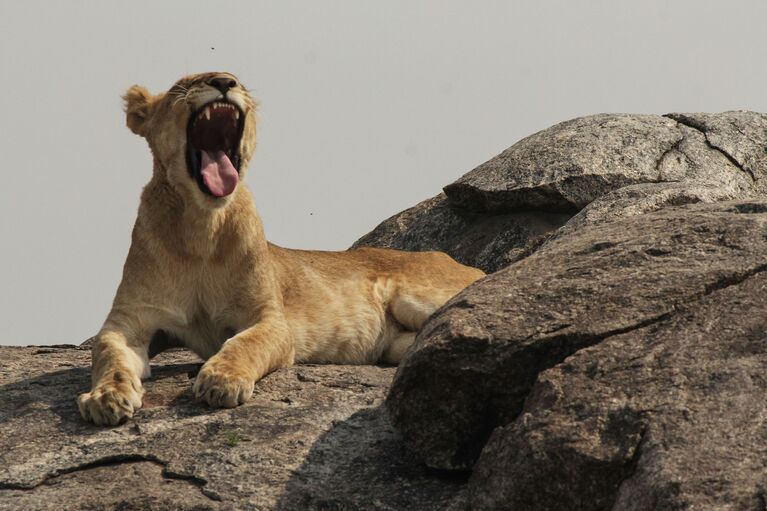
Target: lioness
{"points": [[200, 273]]}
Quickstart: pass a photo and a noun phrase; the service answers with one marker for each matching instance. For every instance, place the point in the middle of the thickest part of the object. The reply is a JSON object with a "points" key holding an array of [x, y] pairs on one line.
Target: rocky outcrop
{"points": [[619, 365], [312, 437], [615, 359], [613, 165]]}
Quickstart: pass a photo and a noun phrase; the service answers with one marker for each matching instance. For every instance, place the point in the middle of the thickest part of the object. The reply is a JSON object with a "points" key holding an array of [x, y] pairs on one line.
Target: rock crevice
{"points": [[112, 461], [699, 126]]}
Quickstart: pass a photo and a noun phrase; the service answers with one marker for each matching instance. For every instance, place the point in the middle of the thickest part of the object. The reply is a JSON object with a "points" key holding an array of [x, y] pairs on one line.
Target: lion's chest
{"points": [[206, 315], [205, 335]]}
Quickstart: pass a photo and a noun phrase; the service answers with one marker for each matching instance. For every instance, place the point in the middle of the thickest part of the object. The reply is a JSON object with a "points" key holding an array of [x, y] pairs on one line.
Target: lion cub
{"points": [[199, 270]]}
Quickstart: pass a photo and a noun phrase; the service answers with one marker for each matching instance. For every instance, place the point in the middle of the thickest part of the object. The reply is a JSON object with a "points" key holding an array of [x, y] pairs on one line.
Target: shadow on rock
{"points": [[360, 463], [56, 392]]}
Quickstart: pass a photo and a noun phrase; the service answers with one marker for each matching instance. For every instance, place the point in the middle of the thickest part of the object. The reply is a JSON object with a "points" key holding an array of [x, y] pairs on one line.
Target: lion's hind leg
{"points": [[409, 308], [412, 307], [397, 347], [412, 300]]}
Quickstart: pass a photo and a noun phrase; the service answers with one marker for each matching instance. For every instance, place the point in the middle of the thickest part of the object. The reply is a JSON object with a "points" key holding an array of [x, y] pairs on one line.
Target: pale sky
{"points": [[366, 109]]}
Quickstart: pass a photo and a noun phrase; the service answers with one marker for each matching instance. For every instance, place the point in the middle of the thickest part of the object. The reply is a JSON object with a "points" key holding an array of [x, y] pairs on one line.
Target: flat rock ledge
{"points": [[312, 437]]}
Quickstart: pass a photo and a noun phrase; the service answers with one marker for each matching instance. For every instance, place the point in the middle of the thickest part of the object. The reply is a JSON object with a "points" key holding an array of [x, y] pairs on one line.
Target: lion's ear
{"points": [[138, 108]]}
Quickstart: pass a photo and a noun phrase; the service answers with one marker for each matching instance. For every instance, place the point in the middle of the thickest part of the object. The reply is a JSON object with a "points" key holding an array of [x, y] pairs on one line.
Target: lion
{"points": [[200, 273]]}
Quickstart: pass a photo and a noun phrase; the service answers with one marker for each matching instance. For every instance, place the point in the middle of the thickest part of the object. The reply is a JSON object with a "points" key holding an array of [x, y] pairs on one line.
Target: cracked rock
{"points": [[115, 486], [476, 360], [312, 437], [740, 136], [571, 164]]}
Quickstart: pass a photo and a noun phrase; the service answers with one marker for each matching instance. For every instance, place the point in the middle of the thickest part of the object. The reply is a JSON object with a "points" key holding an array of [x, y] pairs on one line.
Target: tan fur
{"points": [[200, 271]]}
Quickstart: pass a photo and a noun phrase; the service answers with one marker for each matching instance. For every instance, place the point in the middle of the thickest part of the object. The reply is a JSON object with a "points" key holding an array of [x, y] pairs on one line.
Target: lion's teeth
{"points": [[208, 110]]}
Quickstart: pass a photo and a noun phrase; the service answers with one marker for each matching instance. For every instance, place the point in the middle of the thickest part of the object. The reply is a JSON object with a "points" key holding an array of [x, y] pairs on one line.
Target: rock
{"points": [[489, 242], [667, 416], [602, 167], [643, 198], [476, 360], [571, 164], [312, 437], [740, 136]]}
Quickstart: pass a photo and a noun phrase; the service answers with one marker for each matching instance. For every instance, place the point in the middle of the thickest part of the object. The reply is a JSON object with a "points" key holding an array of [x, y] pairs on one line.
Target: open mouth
{"points": [[213, 147]]}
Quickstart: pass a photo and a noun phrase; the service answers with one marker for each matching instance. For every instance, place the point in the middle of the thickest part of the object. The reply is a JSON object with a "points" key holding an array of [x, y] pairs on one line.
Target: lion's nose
{"points": [[223, 83]]}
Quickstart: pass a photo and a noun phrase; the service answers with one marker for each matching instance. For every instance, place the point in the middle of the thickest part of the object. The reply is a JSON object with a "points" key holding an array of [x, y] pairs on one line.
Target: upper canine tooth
{"points": [[207, 112], [236, 114]]}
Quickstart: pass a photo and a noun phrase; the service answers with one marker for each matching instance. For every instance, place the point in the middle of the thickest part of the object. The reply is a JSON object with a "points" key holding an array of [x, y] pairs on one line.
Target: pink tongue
{"points": [[218, 173]]}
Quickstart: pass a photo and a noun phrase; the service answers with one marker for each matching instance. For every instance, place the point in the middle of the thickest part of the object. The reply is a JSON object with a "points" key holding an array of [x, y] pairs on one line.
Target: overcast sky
{"points": [[366, 109]]}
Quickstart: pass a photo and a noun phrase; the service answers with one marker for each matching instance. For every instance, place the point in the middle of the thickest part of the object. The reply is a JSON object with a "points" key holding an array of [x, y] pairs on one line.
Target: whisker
{"points": [[181, 96]]}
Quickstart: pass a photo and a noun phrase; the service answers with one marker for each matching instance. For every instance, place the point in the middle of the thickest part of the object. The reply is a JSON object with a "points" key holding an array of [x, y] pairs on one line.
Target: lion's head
{"points": [[202, 133]]}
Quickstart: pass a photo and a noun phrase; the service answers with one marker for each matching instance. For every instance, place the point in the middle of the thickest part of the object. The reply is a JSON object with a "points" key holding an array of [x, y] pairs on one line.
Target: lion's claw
{"points": [[220, 389], [109, 404]]}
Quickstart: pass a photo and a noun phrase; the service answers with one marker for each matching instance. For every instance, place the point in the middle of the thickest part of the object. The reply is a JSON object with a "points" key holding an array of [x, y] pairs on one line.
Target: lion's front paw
{"points": [[218, 385], [109, 404]]}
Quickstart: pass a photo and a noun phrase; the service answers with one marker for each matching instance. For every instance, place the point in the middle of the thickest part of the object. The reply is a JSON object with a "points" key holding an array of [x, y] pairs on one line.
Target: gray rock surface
{"points": [[634, 200], [478, 359], [602, 167], [740, 136], [668, 416], [571, 164], [312, 437]]}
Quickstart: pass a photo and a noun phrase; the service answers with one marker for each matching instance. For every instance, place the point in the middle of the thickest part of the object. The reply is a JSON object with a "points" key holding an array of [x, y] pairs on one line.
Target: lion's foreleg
{"points": [[227, 379], [118, 364]]}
